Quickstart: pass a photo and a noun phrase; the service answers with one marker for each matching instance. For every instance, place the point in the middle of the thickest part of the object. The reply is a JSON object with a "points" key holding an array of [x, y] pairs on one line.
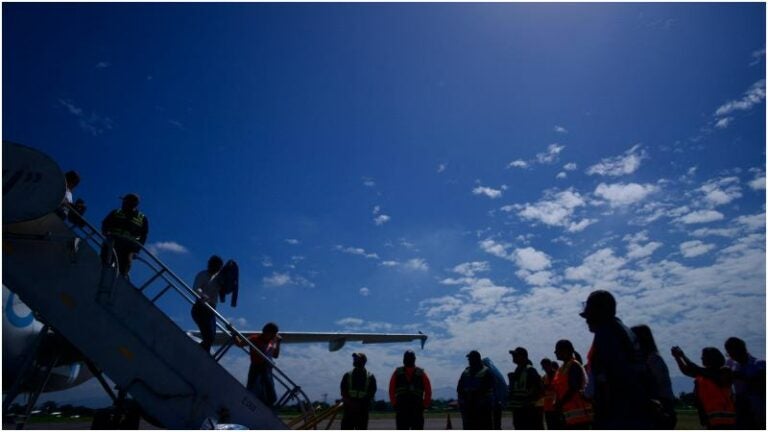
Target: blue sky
{"points": [[472, 171]]}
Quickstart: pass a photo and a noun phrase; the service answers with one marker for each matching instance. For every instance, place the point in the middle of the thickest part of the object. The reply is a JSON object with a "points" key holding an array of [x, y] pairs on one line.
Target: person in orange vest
{"points": [[569, 384], [261, 382], [712, 387], [410, 393], [551, 417]]}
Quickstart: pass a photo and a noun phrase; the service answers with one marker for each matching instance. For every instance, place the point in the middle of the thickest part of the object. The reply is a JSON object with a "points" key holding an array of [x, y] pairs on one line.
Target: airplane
{"points": [[38, 360]]}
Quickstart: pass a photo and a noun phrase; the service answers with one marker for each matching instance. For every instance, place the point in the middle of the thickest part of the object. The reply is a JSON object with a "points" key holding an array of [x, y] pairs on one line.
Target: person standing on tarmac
{"points": [[525, 389], [500, 392], [551, 417], [126, 230], [410, 393], [358, 388], [569, 384], [475, 392], [748, 384]]}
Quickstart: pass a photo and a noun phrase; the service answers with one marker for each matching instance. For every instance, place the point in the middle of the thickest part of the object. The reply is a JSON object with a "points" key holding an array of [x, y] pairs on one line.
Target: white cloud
{"points": [[441, 168], [93, 123], [470, 268], [695, 248], [531, 259], [721, 191], [266, 261], [625, 164], [368, 182], [723, 122], [291, 241], [701, 216], [416, 264], [561, 175], [620, 194], [356, 251], [365, 292], [636, 250], [376, 209], [389, 263], [601, 265], [496, 249], [381, 219], [758, 183], [555, 209], [284, 279], [352, 323], [560, 129], [753, 96], [570, 166], [169, 246], [757, 57], [519, 163], [551, 155], [489, 192]]}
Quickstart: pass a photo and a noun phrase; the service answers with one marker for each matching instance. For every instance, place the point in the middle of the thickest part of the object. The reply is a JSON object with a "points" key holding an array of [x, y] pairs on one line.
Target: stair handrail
{"points": [[293, 391]]}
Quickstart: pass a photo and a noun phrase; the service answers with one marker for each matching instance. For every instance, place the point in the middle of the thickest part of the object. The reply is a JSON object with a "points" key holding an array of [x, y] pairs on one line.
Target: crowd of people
{"points": [[625, 383]]}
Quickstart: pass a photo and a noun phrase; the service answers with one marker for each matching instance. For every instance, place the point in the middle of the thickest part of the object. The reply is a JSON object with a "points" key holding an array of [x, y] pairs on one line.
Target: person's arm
{"points": [[427, 390], [535, 385], [276, 350], [392, 398], [372, 389], [345, 387], [686, 366]]}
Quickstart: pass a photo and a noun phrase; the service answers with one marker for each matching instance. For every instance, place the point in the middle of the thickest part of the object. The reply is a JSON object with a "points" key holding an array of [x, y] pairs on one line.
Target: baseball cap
{"points": [[519, 351], [130, 196], [360, 356]]}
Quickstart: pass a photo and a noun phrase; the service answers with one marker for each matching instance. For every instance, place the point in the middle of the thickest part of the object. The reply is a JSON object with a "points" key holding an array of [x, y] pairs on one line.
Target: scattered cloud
{"points": [[358, 324], [413, 264], [381, 219], [93, 123], [759, 182], [560, 129], [519, 163], [292, 241], [441, 168], [368, 182], [551, 155], [620, 194], [356, 251], [266, 261], [721, 191], [695, 248], [570, 166], [624, 164], [469, 269], [177, 124], [757, 57], [561, 175], [286, 279], [489, 192], [701, 216], [167, 246], [753, 96], [555, 209], [103, 65], [365, 292]]}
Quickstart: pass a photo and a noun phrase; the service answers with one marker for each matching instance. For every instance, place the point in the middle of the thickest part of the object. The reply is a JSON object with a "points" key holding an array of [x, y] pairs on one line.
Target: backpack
{"points": [[229, 282]]}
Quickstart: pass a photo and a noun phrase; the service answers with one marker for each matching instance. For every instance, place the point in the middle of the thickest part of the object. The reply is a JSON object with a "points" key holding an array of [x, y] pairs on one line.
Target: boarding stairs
{"points": [[117, 323]]}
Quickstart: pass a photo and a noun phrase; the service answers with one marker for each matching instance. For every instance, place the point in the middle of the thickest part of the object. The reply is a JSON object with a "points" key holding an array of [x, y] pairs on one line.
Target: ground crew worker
{"points": [[410, 393], [551, 417], [126, 230], [712, 387], [748, 384], [525, 389], [475, 392], [358, 388], [569, 384], [500, 392]]}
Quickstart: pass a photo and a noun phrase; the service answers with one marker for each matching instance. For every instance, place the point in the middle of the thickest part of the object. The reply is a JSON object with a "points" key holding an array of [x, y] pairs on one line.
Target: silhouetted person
{"points": [[71, 180], [475, 393], [552, 418], [358, 388], [619, 389], [410, 393], [500, 392], [525, 389], [570, 381], [748, 385], [207, 284], [712, 387], [260, 380], [126, 230], [661, 388]]}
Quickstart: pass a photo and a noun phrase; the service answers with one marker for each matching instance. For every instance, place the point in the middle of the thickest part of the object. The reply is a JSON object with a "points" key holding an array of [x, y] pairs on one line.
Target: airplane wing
{"points": [[335, 340]]}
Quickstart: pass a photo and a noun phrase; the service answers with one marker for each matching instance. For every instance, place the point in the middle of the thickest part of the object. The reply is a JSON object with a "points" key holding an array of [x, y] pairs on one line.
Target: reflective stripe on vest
{"points": [[576, 410], [415, 387], [716, 402], [518, 390], [472, 383], [359, 393], [128, 226]]}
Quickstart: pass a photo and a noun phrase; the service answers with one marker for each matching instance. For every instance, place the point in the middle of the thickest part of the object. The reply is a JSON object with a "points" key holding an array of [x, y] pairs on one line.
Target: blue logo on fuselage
{"points": [[13, 317]]}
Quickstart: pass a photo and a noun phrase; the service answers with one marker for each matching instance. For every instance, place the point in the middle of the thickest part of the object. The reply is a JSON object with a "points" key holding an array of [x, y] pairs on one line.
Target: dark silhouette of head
{"points": [[215, 263], [475, 360], [359, 359], [72, 179], [409, 359], [645, 339], [712, 358], [737, 349], [269, 330], [564, 350], [130, 202], [599, 308], [520, 356]]}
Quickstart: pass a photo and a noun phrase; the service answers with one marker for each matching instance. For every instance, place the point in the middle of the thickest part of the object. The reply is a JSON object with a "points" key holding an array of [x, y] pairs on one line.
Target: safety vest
{"points": [[548, 400], [126, 225], [716, 401], [357, 393], [472, 386], [518, 389], [413, 388], [576, 410]]}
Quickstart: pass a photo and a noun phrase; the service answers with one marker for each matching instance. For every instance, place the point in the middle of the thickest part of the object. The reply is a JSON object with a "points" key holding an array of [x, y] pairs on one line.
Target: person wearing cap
{"points": [[410, 393], [260, 380], [618, 378], [126, 230], [475, 394], [358, 388], [525, 390]]}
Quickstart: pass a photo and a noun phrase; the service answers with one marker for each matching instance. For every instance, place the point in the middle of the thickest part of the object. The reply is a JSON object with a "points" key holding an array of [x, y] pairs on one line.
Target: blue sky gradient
{"points": [[472, 171]]}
